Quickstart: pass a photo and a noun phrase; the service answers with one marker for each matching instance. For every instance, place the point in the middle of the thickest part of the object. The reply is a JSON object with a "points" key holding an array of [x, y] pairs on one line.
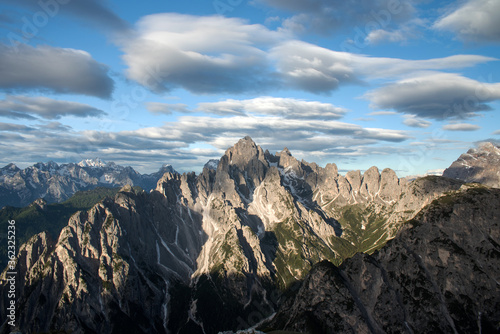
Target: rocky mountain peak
{"points": [[288, 161], [286, 151], [487, 147], [212, 164], [166, 168], [481, 164], [39, 203], [10, 169], [244, 151], [10, 166], [49, 166]]}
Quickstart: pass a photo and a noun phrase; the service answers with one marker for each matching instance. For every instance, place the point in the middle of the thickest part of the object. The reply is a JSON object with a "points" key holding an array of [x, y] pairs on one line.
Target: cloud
{"points": [[312, 68], [319, 70], [178, 142], [474, 21], [191, 129], [402, 33], [396, 136], [327, 16], [382, 113], [381, 35], [389, 68], [287, 108], [437, 96], [167, 108], [55, 126], [14, 127], [414, 122], [50, 69], [19, 107], [461, 127], [93, 11], [210, 54], [214, 54], [496, 133]]}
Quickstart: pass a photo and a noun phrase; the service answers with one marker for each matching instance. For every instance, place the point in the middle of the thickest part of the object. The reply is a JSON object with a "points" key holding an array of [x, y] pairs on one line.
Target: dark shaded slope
{"points": [[440, 274], [40, 216]]}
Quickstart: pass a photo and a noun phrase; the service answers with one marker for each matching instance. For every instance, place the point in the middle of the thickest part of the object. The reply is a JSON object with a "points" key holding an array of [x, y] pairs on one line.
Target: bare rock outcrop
{"points": [[481, 164]]}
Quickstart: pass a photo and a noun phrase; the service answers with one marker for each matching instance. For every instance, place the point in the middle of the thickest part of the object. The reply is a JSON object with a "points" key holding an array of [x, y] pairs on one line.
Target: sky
{"points": [[405, 84]]}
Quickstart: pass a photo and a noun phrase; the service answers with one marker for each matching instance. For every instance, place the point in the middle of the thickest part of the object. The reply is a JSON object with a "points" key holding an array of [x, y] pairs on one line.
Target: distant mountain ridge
{"points": [[56, 183]]}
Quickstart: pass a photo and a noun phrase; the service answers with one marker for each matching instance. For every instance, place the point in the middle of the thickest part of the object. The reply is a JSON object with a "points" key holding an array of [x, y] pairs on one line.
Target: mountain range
{"points": [[265, 240], [56, 183]]}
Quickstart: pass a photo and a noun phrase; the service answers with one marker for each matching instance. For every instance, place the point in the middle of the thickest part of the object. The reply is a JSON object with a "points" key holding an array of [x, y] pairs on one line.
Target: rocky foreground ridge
{"points": [[210, 252]]}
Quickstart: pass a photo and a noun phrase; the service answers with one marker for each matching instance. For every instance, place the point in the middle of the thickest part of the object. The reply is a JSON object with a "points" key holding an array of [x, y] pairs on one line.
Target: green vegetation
{"points": [[230, 252], [300, 251], [53, 218], [107, 285], [363, 230], [108, 222]]}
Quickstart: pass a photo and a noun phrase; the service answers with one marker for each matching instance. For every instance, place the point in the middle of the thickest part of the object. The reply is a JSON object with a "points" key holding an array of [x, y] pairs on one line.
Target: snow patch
{"points": [[97, 162]]}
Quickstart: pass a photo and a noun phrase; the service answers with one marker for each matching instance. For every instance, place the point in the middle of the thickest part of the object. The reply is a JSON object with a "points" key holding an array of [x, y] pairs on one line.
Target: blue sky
{"points": [[405, 84]]}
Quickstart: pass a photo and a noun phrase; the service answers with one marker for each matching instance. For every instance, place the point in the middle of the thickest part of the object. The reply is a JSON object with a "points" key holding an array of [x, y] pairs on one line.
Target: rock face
{"points": [[209, 252], [56, 183], [439, 275], [480, 164]]}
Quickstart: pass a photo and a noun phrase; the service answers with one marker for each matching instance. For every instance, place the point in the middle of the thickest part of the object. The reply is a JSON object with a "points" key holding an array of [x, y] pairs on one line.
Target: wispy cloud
{"points": [[50, 69], [94, 11], [19, 107], [382, 113], [437, 96], [415, 122], [328, 16], [200, 54], [287, 108], [474, 21], [461, 127], [167, 108], [14, 127], [175, 141], [214, 54]]}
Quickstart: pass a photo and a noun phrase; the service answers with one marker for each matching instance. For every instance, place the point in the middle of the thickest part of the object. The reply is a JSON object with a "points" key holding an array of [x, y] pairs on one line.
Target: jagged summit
{"points": [[286, 151], [211, 164], [481, 164], [10, 168], [166, 168], [244, 151]]}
